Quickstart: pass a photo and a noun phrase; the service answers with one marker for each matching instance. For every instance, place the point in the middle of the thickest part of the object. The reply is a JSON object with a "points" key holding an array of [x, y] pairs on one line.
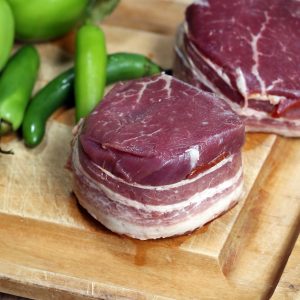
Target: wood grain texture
{"points": [[50, 248], [265, 228], [288, 287], [160, 16]]}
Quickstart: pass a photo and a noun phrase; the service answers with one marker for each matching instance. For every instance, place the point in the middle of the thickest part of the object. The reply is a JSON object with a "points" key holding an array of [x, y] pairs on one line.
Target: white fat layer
{"points": [[247, 111], [189, 64], [274, 83], [141, 91], [161, 231], [288, 132], [202, 78], [197, 198], [162, 187], [250, 112], [271, 98], [169, 186], [241, 82], [168, 80], [255, 54], [203, 3], [261, 115], [194, 155], [216, 68], [242, 111]]}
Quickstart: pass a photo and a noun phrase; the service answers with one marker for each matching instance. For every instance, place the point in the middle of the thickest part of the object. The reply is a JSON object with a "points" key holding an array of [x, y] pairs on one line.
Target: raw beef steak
{"points": [[247, 52], [157, 158]]}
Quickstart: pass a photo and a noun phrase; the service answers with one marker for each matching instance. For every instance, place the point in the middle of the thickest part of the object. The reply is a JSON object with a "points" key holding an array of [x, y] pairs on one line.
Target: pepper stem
{"points": [[5, 127]]}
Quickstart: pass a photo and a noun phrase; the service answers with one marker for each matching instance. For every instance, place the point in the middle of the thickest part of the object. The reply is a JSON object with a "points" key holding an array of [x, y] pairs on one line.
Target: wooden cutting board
{"points": [[51, 248], [289, 283]]}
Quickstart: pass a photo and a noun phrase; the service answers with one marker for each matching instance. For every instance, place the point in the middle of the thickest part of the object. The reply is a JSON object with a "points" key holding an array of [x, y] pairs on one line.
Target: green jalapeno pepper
{"points": [[6, 32], [44, 103], [124, 66], [46, 19], [16, 84], [90, 69]]}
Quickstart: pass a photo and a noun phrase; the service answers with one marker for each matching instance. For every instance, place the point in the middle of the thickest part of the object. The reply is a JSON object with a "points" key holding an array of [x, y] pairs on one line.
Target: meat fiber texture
{"points": [[247, 52], [157, 158]]}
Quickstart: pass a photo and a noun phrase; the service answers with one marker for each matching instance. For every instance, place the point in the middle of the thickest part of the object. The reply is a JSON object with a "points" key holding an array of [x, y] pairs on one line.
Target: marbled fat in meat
{"points": [[152, 124], [251, 48]]}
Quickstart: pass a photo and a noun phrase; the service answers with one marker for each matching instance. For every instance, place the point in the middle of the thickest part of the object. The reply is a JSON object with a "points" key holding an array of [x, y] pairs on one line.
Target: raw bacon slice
{"points": [[247, 52], [158, 158]]}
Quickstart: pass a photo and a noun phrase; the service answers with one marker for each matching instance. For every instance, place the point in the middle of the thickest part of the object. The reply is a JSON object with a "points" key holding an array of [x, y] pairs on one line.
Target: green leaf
{"points": [[102, 8]]}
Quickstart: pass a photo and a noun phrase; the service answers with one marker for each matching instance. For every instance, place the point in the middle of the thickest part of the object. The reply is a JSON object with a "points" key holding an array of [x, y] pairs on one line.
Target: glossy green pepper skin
{"points": [[43, 104], [7, 30], [90, 69], [16, 84], [40, 20], [125, 66]]}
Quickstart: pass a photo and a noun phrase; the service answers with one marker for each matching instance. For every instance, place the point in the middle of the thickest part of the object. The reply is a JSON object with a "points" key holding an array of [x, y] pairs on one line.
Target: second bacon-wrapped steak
{"points": [[247, 52], [158, 158]]}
